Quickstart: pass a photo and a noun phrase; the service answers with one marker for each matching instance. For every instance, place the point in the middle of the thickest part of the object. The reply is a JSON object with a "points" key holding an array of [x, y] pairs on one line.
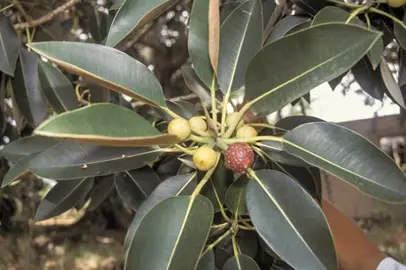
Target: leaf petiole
{"points": [[205, 179], [212, 245], [253, 139], [396, 20]]}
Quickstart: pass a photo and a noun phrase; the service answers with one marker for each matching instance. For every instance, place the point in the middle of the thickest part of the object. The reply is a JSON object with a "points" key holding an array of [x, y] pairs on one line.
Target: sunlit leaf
{"points": [[176, 243], [307, 58], [104, 124], [133, 15], [107, 66], [350, 157], [273, 200], [241, 37], [62, 197]]}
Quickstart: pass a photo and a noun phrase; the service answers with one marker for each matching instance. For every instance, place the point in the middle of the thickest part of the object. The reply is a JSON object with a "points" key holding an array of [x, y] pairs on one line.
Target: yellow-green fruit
{"points": [[233, 117], [245, 132], [204, 158], [197, 124], [180, 128], [396, 3]]}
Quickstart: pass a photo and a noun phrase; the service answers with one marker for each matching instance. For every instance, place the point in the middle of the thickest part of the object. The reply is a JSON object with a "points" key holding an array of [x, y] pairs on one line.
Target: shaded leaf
{"points": [[107, 66], [195, 85], [198, 41], [98, 23], [226, 9], [248, 242], [27, 91], [235, 196], [241, 37], [72, 160], [26, 146], [214, 32], [350, 157], [135, 186], [241, 262], [10, 48], [206, 262], [176, 243], [116, 4], [402, 67], [133, 15], [57, 88], [400, 33], [272, 201], [268, 7], [311, 7], [174, 186], [336, 81], [294, 121], [102, 187], [104, 124], [18, 171], [275, 152], [305, 63], [391, 84], [62, 197], [369, 79], [284, 25], [179, 108]]}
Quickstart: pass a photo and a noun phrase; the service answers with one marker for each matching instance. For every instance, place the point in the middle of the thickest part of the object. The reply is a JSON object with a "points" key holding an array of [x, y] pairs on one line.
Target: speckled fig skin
{"points": [[239, 157]]}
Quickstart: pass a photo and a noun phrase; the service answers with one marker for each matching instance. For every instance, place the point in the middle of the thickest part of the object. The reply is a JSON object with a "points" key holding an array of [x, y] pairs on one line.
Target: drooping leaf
{"points": [[98, 23], [336, 81], [336, 14], [235, 196], [273, 200], [400, 33], [308, 58], [294, 121], [133, 15], [348, 156], [214, 32], [177, 242], [102, 187], [198, 41], [268, 8], [57, 88], [174, 186], [62, 197], [104, 124], [27, 90], [73, 160], [18, 171], [107, 66], [241, 37], [311, 7], [135, 186], [11, 45], [184, 109], [283, 27], [391, 84], [369, 79], [26, 146], [195, 85], [402, 67], [206, 262], [241, 262]]}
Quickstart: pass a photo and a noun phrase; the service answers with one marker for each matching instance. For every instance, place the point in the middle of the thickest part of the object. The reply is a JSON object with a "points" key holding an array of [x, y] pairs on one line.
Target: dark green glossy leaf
{"points": [[248, 242], [103, 185], [116, 4], [11, 45], [107, 66], [132, 16], [294, 121], [195, 85], [369, 79], [206, 262], [350, 157], [274, 151], [241, 37], [18, 170], [26, 89], [62, 197], [104, 124], [284, 25], [226, 9], [308, 58], [241, 262], [135, 186], [391, 84], [268, 7], [72, 160], [186, 110], [402, 67], [311, 7], [235, 196], [98, 23], [174, 186], [336, 14], [400, 33], [57, 88], [26, 146], [198, 41], [336, 81], [273, 200], [175, 243]]}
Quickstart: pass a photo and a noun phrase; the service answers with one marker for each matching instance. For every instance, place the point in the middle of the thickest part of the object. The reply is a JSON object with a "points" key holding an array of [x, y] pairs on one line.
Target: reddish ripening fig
{"points": [[239, 157]]}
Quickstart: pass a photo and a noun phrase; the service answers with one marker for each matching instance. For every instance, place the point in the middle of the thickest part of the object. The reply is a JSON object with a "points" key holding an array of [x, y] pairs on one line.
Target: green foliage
{"points": [[92, 141]]}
